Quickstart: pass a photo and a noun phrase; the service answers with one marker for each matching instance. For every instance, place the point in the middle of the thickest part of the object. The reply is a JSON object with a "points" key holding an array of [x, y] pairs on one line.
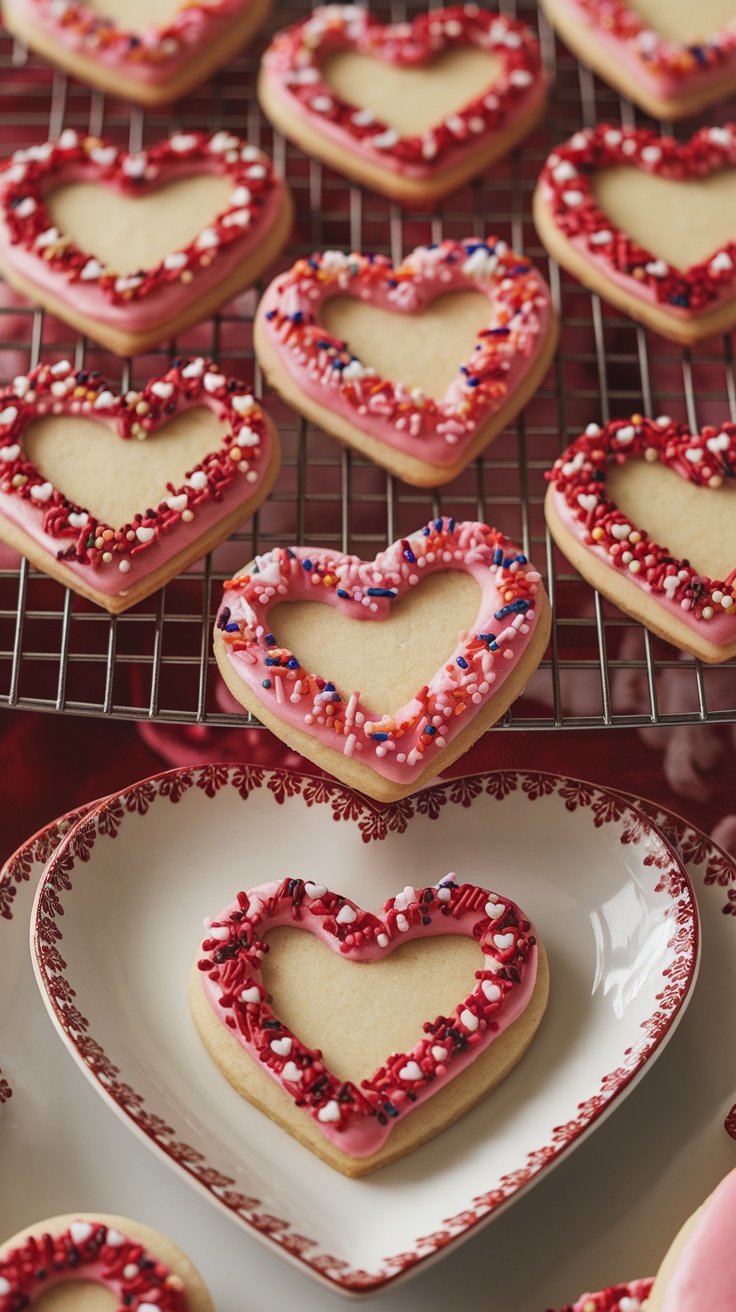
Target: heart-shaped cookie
{"points": [[498, 349], [598, 209], [628, 1297], [115, 494], [502, 996], [645, 510], [672, 57], [141, 1267], [120, 47], [454, 670], [411, 109], [65, 247]]}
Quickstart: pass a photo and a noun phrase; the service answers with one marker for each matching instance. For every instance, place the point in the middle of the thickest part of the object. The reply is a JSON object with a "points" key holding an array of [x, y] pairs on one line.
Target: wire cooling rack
{"points": [[60, 653]]}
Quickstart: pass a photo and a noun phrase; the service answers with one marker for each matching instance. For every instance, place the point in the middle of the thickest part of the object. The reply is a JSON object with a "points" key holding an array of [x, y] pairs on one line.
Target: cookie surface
{"points": [[598, 207], [342, 1047], [149, 63], [411, 109], [108, 1253], [699, 1268], [417, 366], [645, 510], [133, 248], [114, 494], [385, 671], [671, 57]]}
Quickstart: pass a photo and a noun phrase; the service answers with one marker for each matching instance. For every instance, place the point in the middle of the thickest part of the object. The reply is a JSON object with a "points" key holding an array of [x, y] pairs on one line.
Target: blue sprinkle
{"points": [[519, 268], [474, 382], [270, 314], [293, 664], [431, 729], [307, 565], [521, 560], [389, 1109], [266, 683], [464, 369], [451, 525], [683, 300], [297, 317], [497, 556], [461, 661], [438, 525], [338, 364], [699, 54], [323, 345], [486, 637], [426, 531], [342, 593], [379, 737], [392, 282], [507, 560], [270, 661], [499, 332], [270, 640], [515, 608], [231, 628], [381, 592], [291, 554], [313, 264], [329, 687]]}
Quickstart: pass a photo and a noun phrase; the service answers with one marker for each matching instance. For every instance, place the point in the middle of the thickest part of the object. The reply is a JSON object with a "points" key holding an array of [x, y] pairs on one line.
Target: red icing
{"points": [[706, 459], [360, 1119], [566, 186], [88, 1250], [292, 65]]}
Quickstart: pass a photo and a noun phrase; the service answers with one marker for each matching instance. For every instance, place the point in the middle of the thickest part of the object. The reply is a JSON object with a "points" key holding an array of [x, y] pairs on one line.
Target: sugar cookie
{"points": [[131, 249], [412, 109], [598, 210], [114, 494], [332, 1020], [417, 366], [462, 623], [140, 1267], [646, 511]]}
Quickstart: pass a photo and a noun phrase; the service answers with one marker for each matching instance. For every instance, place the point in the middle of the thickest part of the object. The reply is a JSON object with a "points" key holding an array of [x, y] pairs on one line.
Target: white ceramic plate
{"points": [[118, 919]]}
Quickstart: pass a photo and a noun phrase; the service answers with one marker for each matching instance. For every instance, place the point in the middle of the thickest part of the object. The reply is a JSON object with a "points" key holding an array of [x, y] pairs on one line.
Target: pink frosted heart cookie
{"points": [[384, 671], [120, 47], [142, 1268], [131, 249], [274, 1008], [417, 365], [672, 57], [646, 510], [598, 209], [115, 494], [412, 109]]}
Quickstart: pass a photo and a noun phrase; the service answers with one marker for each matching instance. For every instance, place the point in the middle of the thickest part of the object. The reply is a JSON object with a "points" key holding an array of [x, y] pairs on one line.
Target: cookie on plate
{"points": [[598, 209], [142, 1268], [114, 494], [383, 672], [120, 48], [365, 1051], [133, 248], [646, 511], [411, 109], [671, 57], [418, 365]]}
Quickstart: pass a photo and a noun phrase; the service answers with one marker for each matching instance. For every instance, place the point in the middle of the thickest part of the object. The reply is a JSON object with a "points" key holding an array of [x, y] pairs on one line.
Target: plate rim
{"points": [[334, 1272]]}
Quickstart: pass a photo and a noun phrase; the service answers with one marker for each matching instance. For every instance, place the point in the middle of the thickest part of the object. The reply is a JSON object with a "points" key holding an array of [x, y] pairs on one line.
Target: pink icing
{"points": [[359, 1120], [152, 57], [140, 302], [210, 492], [401, 746], [520, 319], [704, 1276], [291, 67]]}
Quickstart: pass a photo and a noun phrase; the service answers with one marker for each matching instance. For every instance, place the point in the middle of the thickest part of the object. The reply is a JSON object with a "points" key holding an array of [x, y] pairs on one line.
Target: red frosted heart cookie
{"points": [[115, 494], [598, 209], [384, 671], [629, 1297], [494, 999], [471, 320], [135, 57], [646, 510], [672, 58], [131, 249], [142, 1268], [411, 109]]}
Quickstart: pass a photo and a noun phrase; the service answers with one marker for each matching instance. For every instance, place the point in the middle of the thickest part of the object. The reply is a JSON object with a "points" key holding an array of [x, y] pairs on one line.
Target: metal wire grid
{"points": [[58, 652]]}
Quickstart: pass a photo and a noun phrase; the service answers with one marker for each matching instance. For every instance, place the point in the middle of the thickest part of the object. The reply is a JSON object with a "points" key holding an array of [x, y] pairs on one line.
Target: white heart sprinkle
{"points": [[104, 155], [42, 491], [68, 139], [92, 269], [330, 1112], [412, 1071], [291, 1072], [629, 1305], [720, 442], [592, 430], [207, 239], [620, 531], [213, 382], [494, 910], [78, 520], [80, 1231], [253, 994], [491, 990], [439, 1054], [315, 890], [694, 454], [182, 141], [10, 452], [148, 1307], [573, 198], [469, 1019], [164, 390], [242, 405], [346, 915], [198, 480], [722, 262], [587, 501], [8, 415], [385, 140], [504, 941], [282, 1047], [564, 171], [246, 437], [103, 400], [178, 503], [657, 268], [194, 369], [601, 238], [145, 534], [626, 434], [115, 1239], [176, 260], [5, 1287], [405, 898]]}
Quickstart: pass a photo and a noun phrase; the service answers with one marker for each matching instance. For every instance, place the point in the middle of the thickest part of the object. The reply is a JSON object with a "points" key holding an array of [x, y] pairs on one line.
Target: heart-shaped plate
{"points": [[424, 440], [146, 62], [359, 1125], [187, 487], [246, 217], [421, 721], [670, 75], [682, 482], [682, 298], [618, 919], [362, 140]]}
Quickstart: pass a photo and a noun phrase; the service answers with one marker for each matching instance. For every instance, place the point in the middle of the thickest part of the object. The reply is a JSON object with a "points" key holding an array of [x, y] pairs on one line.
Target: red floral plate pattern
{"points": [[615, 911]]}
